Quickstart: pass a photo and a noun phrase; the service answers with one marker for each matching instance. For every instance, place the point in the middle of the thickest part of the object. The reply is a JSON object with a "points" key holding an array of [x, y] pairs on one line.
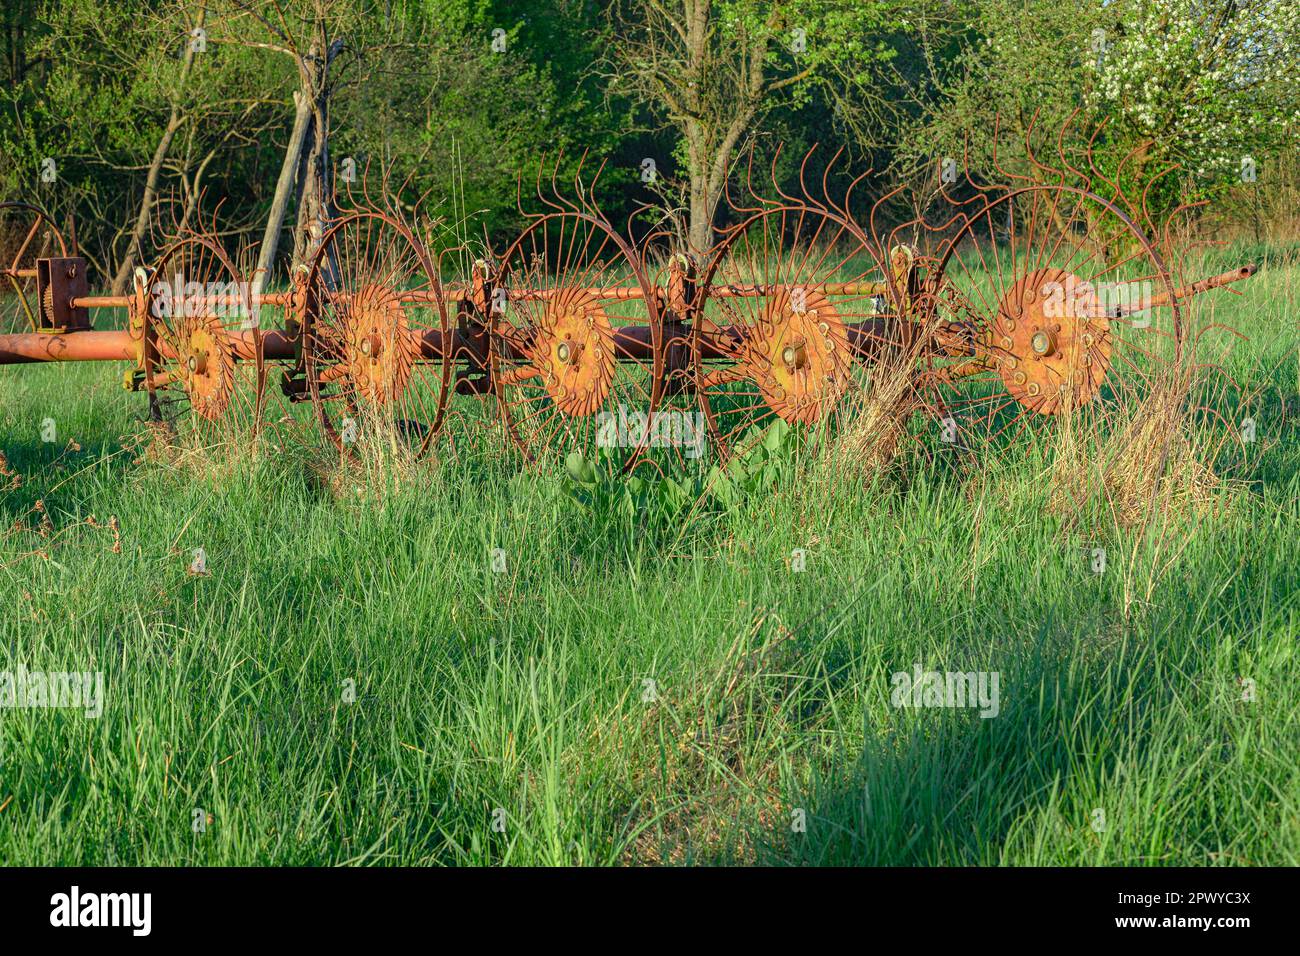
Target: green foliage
{"points": [[525, 690], [112, 80], [658, 497], [608, 495], [824, 44], [1167, 82], [464, 121], [763, 461], [420, 91]]}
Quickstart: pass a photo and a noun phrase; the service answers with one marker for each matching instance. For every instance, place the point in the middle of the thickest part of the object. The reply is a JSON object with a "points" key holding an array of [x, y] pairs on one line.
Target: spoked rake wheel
{"points": [[790, 301], [576, 345], [1053, 306], [26, 234], [203, 361], [375, 336]]}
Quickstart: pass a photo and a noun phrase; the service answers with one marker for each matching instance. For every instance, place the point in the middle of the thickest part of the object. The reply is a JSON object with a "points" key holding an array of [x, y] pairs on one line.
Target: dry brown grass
{"points": [[722, 737], [1149, 473], [1157, 460], [1155, 454], [380, 460], [216, 462], [875, 423], [10, 480], [870, 431]]}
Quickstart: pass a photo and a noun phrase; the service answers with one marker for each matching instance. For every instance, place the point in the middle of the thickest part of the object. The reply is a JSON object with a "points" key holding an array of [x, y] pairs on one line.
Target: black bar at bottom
{"points": [[338, 907]]}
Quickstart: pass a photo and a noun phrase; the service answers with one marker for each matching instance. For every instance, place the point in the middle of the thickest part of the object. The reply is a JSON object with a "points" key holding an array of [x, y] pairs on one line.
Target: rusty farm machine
{"points": [[1008, 306]]}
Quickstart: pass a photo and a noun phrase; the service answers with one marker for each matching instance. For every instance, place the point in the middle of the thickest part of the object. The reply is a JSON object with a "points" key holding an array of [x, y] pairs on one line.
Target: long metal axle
{"points": [[633, 342]]}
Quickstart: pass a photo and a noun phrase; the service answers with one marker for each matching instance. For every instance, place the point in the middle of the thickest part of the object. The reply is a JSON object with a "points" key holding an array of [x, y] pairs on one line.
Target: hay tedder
{"points": [[1046, 296]]}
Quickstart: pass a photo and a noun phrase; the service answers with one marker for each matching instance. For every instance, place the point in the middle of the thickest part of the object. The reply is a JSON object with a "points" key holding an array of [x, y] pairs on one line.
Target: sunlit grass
{"points": [[352, 682]]}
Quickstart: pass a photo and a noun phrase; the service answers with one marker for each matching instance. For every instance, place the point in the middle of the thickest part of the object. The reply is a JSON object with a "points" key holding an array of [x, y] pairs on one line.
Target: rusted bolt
{"points": [[567, 352]]}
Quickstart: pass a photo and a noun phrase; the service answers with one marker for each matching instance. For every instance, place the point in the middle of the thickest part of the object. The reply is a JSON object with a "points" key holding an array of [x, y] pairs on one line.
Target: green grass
{"points": [[526, 691]]}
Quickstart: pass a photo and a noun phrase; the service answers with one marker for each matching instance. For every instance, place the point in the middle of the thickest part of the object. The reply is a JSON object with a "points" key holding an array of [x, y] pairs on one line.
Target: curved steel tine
{"points": [[1049, 172], [848, 194], [1084, 181], [577, 177], [1148, 222]]}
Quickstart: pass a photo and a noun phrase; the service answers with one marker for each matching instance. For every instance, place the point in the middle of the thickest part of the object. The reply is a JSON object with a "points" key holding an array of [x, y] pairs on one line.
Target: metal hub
{"points": [[567, 352], [573, 351], [799, 358], [206, 365], [377, 344], [1051, 341]]}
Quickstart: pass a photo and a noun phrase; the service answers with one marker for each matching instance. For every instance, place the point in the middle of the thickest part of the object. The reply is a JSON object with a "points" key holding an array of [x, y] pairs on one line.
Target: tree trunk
{"points": [[284, 190], [317, 209], [711, 142], [700, 233], [145, 214], [315, 184], [701, 211], [134, 248]]}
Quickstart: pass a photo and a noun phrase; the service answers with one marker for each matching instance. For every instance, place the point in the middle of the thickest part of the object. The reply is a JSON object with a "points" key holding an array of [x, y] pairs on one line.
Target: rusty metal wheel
{"points": [[1051, 304], [373, 337], [27, 233], [202, 348], [576, 348], [790, 301]]}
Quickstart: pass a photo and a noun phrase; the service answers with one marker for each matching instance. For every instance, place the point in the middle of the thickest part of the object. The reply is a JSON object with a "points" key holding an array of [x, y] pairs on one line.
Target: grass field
{"points": [[352, 682]]}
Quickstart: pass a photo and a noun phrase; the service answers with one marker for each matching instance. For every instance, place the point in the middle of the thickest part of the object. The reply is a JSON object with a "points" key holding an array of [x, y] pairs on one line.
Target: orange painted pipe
{"points": [[118, 346], [26, 347]]}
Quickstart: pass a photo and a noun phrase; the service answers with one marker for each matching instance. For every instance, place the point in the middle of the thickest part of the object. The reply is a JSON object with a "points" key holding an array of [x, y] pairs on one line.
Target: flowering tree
{"points": [[1213, 85], [1210, 87]]}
